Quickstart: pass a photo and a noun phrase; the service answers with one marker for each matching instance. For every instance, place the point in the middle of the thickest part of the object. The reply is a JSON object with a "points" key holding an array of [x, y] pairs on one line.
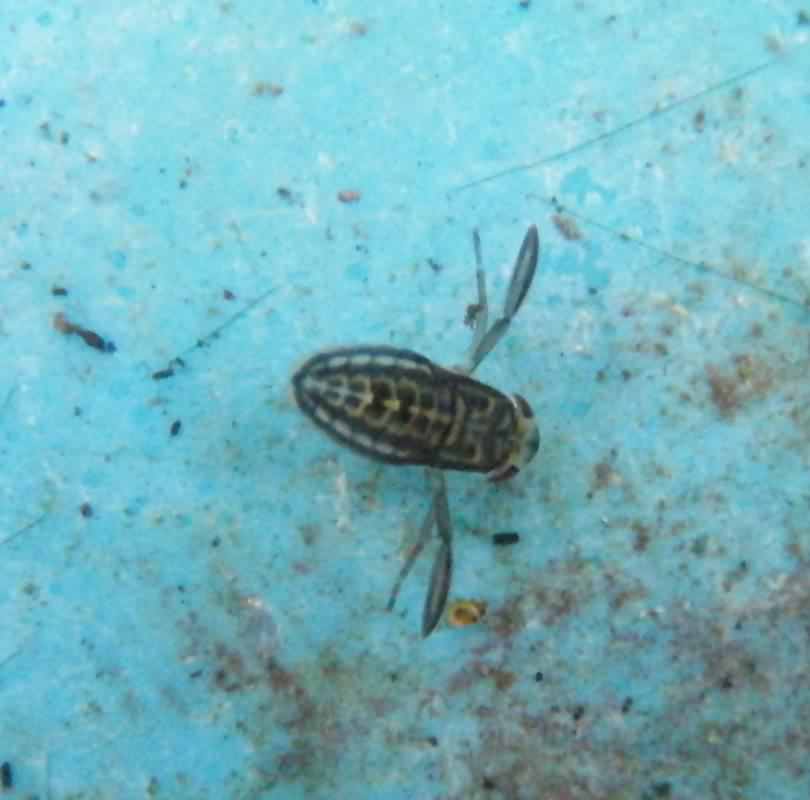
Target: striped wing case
{"points": [[396, 406]]}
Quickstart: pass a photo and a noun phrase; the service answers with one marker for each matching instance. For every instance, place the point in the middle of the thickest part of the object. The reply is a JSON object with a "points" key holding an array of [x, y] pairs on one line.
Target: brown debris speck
{"points": [[724, 391], [264, 88], [699, 121], [567, 227], [604, 476], [349, 196], [774, 43], [642, 538]]}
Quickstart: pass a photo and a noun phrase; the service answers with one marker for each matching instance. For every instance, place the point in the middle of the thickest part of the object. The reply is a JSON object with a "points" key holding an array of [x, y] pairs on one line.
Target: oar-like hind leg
{"points": [[484, 340]]}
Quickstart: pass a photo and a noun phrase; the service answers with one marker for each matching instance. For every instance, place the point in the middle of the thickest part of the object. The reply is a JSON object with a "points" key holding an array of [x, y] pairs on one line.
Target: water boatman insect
{"points": [[398, 407]]}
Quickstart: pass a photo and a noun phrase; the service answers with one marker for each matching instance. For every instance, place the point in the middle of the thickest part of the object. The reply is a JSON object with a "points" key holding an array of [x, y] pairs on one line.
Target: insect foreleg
{"points": [[519, 285]]}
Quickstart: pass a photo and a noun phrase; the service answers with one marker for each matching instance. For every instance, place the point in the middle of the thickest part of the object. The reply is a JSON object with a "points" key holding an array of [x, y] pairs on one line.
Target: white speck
{"points": [[342, 504], [342, 428], [729, 151], [323, 415], [804, 252]]}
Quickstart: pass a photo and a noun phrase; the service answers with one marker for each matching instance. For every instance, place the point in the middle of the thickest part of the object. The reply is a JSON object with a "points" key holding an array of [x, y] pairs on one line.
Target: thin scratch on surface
{"points": [[697, 266], [211, 336], [633, 123], [25, 528], [11, 656], [7, 402]]}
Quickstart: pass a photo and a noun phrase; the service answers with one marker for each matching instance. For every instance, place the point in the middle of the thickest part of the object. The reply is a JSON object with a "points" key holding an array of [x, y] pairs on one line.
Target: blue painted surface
{"points": [[201, 615]]}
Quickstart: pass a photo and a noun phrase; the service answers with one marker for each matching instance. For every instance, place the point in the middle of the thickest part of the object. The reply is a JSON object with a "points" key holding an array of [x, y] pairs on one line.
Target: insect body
{"points": [[398, 407]]}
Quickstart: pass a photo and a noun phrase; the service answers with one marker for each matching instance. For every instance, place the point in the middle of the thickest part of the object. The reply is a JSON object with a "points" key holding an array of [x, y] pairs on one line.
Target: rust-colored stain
{"points": [[604, 476], [733, 389]]}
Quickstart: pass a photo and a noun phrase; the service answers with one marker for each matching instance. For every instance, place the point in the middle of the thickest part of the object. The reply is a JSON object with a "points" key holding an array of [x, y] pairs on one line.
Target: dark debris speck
{"points": [[505, 538], [6, 776], [176, 427], [86, 510]]}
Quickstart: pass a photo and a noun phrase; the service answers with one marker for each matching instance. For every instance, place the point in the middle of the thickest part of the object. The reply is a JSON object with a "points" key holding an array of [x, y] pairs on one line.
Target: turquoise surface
{"points": [[194, 579]]}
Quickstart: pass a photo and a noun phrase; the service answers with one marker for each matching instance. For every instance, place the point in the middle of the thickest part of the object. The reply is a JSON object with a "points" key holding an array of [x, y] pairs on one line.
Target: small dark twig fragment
{"points": [[505, 538], [162, 374], [62, 324], [176, 426]]}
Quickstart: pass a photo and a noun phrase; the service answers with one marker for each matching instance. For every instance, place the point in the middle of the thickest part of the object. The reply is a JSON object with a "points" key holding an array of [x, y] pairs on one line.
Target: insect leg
{"points": [[413, 554], [442, 572], [519, 284], [478, 314]]}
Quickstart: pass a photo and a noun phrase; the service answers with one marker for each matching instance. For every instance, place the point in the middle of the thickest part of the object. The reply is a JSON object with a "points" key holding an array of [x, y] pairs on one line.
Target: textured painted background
{"points": [[193, 579]]}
